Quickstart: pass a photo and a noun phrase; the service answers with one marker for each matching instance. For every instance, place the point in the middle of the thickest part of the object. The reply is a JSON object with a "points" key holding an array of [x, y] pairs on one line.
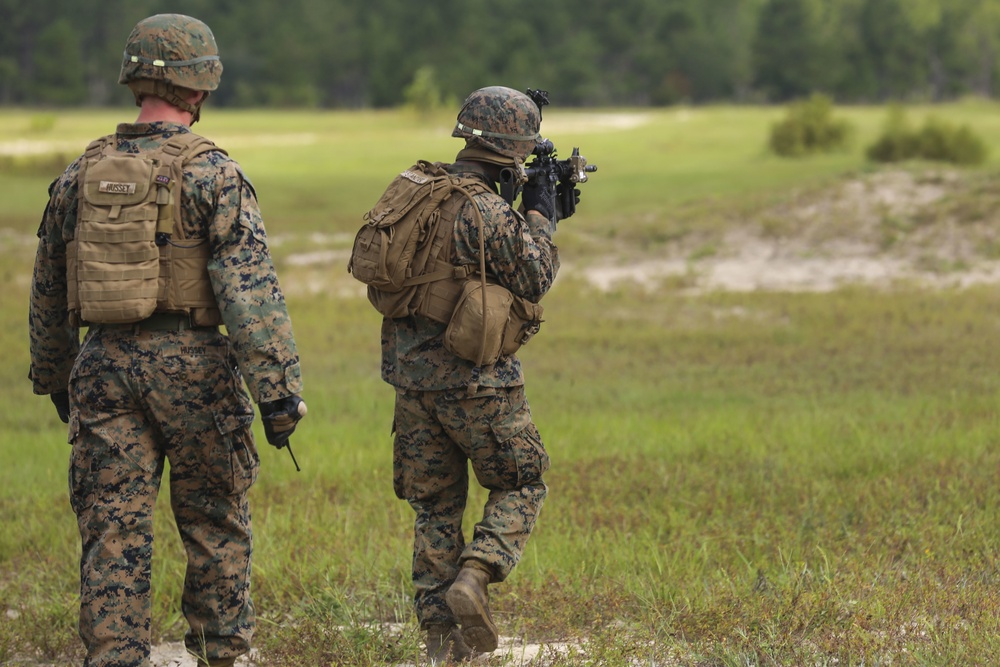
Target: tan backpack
{"points": [[128, 257], [402, 253], [401, 250]]}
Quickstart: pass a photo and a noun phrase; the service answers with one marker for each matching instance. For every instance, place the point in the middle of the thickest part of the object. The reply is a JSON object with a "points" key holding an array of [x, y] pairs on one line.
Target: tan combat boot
{"points": [[445, 645], [469, 600]]}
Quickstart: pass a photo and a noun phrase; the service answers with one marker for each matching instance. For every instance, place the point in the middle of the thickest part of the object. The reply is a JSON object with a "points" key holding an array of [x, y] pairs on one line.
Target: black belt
{"points": [[160, 322]]}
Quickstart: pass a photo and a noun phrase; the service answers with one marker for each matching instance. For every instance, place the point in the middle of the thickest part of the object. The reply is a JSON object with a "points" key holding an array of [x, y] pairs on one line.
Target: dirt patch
{"points": [[511, 651], [934, 229]]}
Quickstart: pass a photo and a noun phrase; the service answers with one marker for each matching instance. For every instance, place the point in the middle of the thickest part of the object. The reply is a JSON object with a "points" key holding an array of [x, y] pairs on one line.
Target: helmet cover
{"points": [[174, 48], [499, 119]]}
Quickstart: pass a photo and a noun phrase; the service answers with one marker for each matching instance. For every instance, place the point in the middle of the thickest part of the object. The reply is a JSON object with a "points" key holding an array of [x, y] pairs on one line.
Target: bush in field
{"points": [[897, 142], [424, 94], [945, 142], [809, 127], [937, 140]]}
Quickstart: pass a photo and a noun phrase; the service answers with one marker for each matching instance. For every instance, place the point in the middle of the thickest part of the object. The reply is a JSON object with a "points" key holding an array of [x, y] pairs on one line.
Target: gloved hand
{"points": [[280, 418], [60, 399], [567, 197], [540, 196]]}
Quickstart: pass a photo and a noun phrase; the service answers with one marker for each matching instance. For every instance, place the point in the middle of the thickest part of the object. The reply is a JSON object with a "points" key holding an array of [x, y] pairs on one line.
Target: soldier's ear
{"points": [[194, 97]]}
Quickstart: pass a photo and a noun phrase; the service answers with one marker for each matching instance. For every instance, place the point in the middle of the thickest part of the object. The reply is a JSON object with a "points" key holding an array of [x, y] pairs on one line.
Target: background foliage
{"points": [[367, 53]]}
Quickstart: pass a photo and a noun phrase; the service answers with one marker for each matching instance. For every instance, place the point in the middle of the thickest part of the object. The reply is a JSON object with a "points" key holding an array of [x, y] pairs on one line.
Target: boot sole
{"points": [[478, 630]]}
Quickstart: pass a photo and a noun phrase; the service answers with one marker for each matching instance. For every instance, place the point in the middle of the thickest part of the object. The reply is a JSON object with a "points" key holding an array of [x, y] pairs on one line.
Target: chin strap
{"points": [[168, 92]]}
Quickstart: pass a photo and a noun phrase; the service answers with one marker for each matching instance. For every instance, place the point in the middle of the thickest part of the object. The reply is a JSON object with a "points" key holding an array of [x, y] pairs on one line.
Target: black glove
{"points": [[280, 418], [60, 399], [540, 196], [567, 197]]}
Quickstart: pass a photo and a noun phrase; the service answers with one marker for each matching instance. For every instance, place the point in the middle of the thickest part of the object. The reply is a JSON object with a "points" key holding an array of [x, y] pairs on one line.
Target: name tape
{"points": [[117, 188]]}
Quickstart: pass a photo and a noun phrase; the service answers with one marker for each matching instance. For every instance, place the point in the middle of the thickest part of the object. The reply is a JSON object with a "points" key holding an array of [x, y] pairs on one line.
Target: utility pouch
{"points": [[511, 321], [523, 323], [465, 337]]}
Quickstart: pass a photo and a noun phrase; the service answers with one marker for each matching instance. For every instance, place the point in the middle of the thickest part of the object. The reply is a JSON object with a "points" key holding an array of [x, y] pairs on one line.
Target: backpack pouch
{"points": [[121, 181]]}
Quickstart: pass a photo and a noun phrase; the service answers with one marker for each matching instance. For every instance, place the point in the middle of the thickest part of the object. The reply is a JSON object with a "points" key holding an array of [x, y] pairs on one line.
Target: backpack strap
{"points": [[441, 243], [95, 147], [181, 148], [467, 190]]}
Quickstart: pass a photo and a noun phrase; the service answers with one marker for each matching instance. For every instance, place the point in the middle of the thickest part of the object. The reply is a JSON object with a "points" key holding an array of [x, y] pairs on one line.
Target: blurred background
{"points": [[382, 53]]}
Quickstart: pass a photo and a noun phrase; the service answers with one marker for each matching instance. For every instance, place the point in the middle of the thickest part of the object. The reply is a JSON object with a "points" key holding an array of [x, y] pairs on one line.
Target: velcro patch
{"points": [[415, 177]]}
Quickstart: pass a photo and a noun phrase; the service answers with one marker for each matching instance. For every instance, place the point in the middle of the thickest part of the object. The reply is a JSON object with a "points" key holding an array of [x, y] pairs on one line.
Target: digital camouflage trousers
{"points": [[139, 398], [437, 435]]}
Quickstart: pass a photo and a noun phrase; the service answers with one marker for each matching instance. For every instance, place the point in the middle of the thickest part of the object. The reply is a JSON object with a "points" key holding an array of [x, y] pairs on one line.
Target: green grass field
{"points": [[737, 478]]}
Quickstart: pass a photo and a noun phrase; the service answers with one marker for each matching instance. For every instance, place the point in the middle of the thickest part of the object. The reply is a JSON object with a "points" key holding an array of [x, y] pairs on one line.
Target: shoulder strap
{"points": [[93, 150], [468, 188], [188, 145], [95, 147], [182, 148]]}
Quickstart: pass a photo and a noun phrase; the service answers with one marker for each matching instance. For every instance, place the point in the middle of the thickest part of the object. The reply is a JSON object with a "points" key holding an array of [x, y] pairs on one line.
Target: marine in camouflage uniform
{"points": [[440, 428], [165, 388]]}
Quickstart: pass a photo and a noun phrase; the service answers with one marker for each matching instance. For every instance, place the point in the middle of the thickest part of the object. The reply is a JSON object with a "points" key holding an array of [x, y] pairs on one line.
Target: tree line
{"points": [[383, 53]]}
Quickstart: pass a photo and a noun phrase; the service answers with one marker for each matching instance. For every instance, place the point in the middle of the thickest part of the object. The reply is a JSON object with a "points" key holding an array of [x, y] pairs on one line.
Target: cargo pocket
{"points": [[82, 494], [239, 463], [519, 445]]}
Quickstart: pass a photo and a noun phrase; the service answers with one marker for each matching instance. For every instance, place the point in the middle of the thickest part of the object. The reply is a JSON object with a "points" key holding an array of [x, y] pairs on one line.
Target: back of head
{"points": [[169, 55]]}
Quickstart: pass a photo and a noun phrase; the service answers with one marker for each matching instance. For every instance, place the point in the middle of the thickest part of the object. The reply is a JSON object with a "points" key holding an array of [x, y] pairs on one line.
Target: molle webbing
{"points": [[186, 272], [130, 257], [444, 281]]}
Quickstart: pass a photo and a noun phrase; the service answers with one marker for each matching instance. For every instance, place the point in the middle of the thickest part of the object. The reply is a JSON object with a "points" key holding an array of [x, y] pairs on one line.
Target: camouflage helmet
{"points": [[499, 119], [173, 48]]}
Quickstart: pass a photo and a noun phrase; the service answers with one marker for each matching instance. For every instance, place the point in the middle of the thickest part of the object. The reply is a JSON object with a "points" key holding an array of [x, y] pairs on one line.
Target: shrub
{"points": [[424, 94], [809, 127], [945, 142], [937, 140], [897, 142]]}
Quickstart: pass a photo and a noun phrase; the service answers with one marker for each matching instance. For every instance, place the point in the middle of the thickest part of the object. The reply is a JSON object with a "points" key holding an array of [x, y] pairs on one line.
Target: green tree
{"points": [[358, 53], [59, 69], [788, 54], [893, 38], [974, 27]]}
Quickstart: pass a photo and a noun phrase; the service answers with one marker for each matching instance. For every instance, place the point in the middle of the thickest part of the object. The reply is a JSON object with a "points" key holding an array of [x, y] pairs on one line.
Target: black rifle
{"points": [[546, 168]]}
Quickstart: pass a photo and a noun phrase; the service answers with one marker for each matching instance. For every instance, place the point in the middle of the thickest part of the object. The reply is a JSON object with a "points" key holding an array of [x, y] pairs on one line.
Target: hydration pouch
{"points": [[129, 257], [114, 265]]}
